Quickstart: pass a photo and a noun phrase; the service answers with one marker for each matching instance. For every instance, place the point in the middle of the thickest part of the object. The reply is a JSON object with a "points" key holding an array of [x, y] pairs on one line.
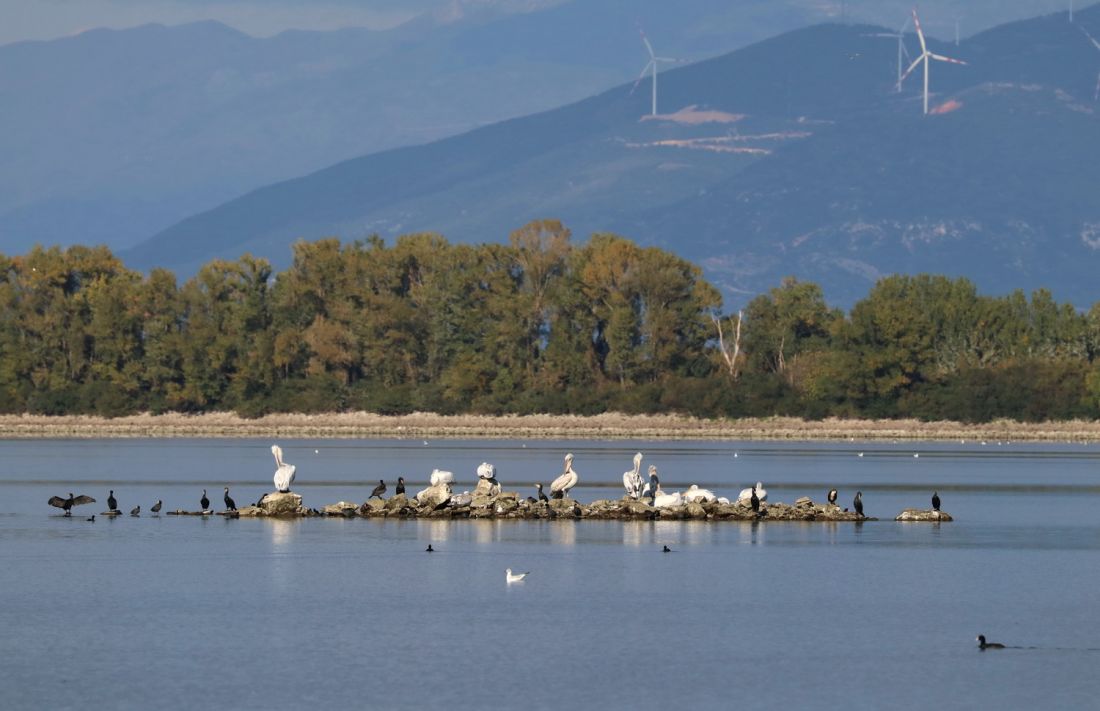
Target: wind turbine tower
{"points": [[651, 66], [902, 51], [924, 57]]}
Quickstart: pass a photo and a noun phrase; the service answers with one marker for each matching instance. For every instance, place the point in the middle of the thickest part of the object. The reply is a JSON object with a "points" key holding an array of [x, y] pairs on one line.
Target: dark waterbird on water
{"points": [[69, 503], [112, 502], [156, 507], [378, 490], [935, 501], [429, 549], [229, 503], [204, 502], [666, 549], [982, 644], [858, 503], [832, 496], [91, 518], [400, 488], [136, 511]]}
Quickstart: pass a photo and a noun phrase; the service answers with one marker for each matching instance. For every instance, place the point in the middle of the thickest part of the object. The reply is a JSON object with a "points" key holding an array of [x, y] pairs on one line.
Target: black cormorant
{"points": [[69, 503], [754, 501], [832, 496], [204, 502], [935, 501], [112, 502], [982, 644], [379, 490], [230, 505], [400, 488], [858, 503], [542, 496]]}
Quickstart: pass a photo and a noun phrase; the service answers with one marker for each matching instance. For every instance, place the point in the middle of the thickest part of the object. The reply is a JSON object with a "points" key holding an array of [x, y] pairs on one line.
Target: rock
{"points": [[506, 506], [487, 487], [341, 508], [565, 506], [435, 496], [804, 501], [397, 502], [373, 506], [481, 501], [923, 515], [695, 510], [282, 504]]}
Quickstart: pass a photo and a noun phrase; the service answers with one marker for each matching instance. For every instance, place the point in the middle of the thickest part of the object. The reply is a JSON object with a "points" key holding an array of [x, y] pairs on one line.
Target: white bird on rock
{"points": [[632, 480], [662, 500], [568, 479], [284, 475], [511, 577], [746, 494], [694, 493], [441, 477]]}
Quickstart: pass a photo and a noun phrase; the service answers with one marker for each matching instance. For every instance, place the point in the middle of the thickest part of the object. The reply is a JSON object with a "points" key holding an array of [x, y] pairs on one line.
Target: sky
{"points": [[49, 19]]}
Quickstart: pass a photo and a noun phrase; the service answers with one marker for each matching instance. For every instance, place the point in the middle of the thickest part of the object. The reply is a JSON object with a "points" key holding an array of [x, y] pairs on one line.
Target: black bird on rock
{"points": [[832, 496], [204, 502], [112, 502], [378, 490], [755, 500], [230, 505], [156, 507], [69, 503], [858, 503], [400, 488], [935, 501], [542, 496]]}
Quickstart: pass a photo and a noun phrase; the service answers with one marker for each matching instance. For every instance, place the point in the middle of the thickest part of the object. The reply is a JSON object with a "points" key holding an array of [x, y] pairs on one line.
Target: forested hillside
{"points": [[538, 325]]}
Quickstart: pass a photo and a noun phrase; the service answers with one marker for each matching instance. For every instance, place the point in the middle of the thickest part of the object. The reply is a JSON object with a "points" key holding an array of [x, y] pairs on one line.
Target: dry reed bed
{"points": [[607, 426]]}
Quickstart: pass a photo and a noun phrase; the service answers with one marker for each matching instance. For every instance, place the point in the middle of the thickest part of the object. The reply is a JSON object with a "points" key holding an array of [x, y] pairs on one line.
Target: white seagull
{"points": [[632, 480], [511, 577], [284, 475], [568, 479]]}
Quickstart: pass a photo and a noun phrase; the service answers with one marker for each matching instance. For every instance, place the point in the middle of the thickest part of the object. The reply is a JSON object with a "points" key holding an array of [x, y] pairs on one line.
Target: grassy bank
{"points": [[608, 426]]}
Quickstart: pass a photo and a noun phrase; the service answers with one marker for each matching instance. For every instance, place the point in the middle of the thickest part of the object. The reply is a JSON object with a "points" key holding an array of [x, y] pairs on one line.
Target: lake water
{"points": [[174, 612]]}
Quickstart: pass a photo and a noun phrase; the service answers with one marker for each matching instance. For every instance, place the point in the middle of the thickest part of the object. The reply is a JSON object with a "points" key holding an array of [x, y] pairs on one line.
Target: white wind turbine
{"points": [[925, 56], [654, 60], [1096, 93], [902, 51]]}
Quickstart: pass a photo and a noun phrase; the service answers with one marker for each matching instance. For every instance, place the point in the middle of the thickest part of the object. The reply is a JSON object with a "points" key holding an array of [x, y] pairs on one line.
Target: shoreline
{"points": [[361, 425]]}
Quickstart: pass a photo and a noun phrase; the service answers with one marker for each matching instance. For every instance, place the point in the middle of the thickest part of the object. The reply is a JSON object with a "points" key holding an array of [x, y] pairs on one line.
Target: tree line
{"points": [[536, 325]]}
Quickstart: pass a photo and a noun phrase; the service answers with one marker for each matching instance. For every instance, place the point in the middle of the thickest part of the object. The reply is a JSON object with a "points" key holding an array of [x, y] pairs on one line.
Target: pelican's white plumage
{"points": [[694, 493], [567, 480], [632, 480], [746, 494], [485, 470], [662, 500], [441, 477], [284, 474], [511, 577]]}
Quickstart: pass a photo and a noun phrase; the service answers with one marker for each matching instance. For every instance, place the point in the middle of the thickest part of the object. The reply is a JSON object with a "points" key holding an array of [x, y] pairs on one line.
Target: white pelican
{"points": [[284, 475], [746, 494], [568, 479], [694, 493], [511, 577], [441, 477], [632, 480], [661, 499]]}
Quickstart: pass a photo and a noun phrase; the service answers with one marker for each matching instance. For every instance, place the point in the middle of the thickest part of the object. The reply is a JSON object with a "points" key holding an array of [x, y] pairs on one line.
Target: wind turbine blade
{"points": [[914, 65], [882, 34], [903, 27], [945, 59], [648, 46], [641, 76], [904, 50], [920, 34], [1091, 38], [1096, 94]]}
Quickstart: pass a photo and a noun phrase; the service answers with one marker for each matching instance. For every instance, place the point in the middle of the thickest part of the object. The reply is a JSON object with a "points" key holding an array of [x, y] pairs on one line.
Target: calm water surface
{"points": [[173, 612]]}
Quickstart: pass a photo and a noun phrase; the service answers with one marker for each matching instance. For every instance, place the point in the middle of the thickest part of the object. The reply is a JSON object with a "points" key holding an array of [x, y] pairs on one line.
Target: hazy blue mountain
{"points": [[810, 165], [112, 136]]}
